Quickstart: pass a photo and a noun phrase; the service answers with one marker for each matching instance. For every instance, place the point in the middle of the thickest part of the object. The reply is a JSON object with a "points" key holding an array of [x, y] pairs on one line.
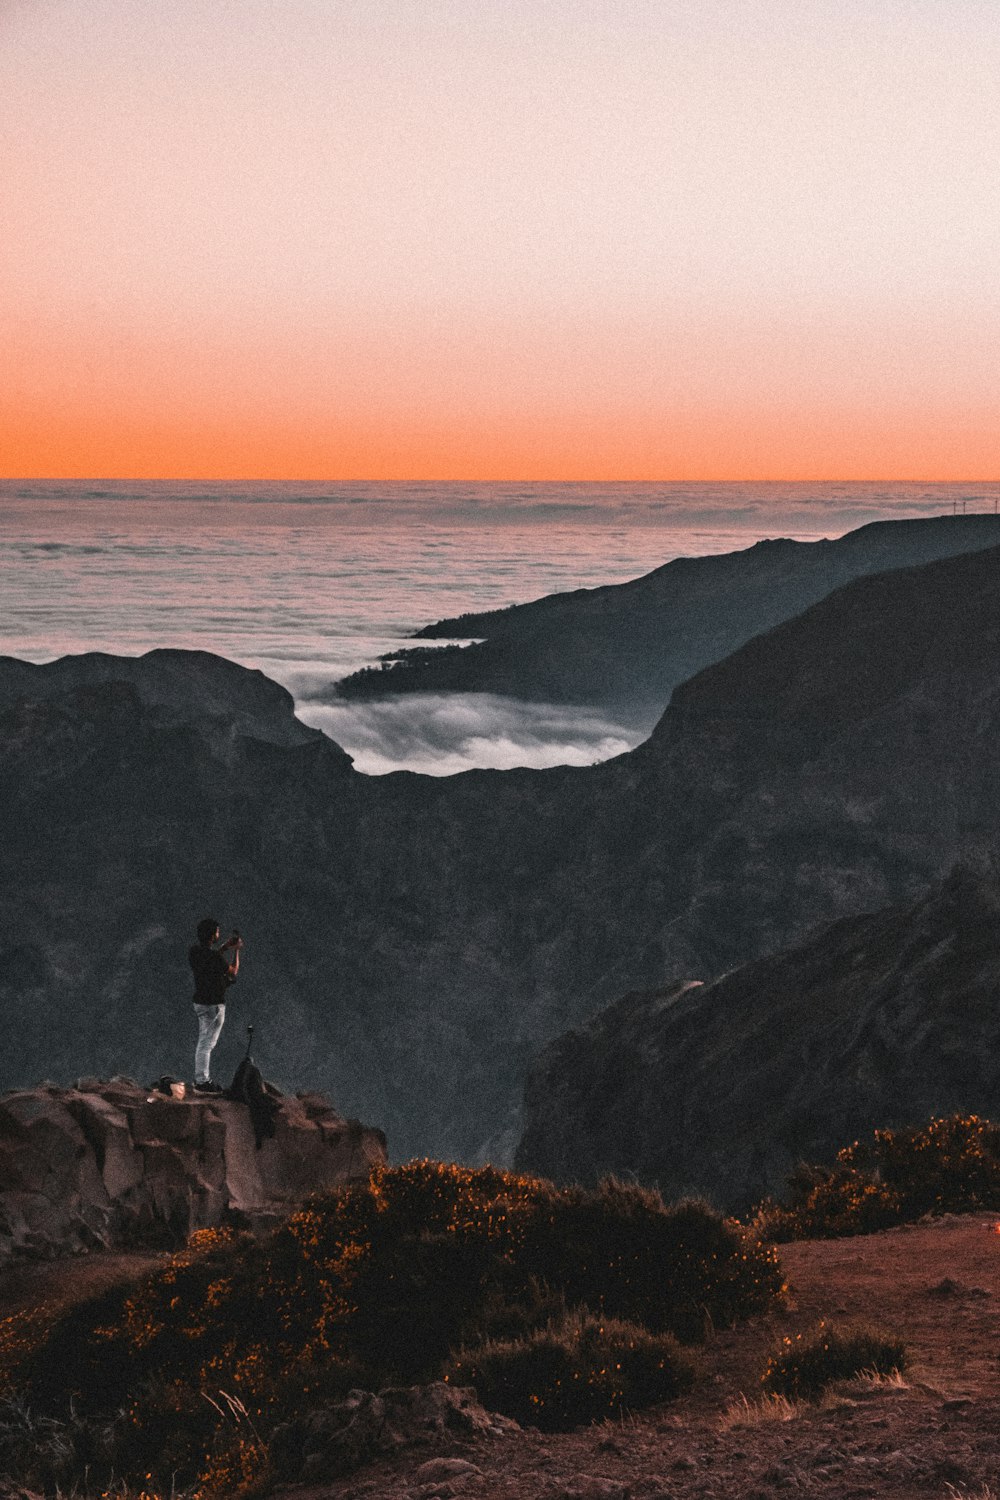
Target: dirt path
{"points": [[939, 1284], [33, 1294]]}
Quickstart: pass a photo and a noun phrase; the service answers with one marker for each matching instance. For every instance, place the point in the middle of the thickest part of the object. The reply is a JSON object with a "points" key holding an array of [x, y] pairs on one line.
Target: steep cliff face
{"points": [[625, 647], [879, 1020], [412, 941], [112, 1164]]}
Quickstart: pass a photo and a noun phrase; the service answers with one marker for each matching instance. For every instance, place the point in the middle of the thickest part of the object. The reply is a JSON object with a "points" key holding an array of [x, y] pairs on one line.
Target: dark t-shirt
{"points": [[211, 975]]}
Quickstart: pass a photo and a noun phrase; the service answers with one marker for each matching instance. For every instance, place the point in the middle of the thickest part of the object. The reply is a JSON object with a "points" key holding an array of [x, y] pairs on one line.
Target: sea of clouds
{"points": [[439, 734], [311, 582]]}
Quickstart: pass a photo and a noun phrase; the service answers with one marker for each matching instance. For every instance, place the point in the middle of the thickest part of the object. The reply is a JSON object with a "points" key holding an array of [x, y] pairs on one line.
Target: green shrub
{"points": [[577, 1370], [950, 1165], [828, 1202], [58, 1456], [515, 1313], [805, 1366], [42, 1451], [620, 1251]]}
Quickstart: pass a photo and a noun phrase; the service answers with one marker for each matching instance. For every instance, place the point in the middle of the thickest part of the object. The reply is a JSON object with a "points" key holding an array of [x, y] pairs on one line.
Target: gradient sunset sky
{"points": [[500, 239]]}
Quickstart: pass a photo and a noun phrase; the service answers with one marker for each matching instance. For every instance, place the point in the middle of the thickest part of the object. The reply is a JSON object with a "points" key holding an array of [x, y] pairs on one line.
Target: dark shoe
{"points": [[209, 1087]]}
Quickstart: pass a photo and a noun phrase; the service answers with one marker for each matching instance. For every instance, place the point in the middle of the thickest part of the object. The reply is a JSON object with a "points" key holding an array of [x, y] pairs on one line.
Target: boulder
{"points": [[438, 1470], [365, 1427], [590, 1487], [111, 1165]]}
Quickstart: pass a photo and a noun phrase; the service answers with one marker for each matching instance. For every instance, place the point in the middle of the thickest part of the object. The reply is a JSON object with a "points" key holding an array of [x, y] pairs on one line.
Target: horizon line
{"points": [[421, 479]]}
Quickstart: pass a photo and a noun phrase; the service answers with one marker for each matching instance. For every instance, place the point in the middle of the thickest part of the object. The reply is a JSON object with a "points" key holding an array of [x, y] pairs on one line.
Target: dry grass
{"points": [[746, 1413], [868, 1383], [776, 1408]]}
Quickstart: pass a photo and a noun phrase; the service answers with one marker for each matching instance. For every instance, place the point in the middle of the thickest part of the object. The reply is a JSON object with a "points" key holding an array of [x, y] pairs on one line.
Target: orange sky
{"points": [[521, 239]]}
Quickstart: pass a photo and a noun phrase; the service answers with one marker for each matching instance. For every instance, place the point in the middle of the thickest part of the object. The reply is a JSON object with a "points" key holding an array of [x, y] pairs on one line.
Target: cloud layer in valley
{"points": [[440, 734]]}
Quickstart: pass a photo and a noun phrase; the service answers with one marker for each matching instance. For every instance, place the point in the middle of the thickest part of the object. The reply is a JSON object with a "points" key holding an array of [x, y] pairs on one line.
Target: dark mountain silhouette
{"points": [[413, 941], [625, 647], [877, 1021]]}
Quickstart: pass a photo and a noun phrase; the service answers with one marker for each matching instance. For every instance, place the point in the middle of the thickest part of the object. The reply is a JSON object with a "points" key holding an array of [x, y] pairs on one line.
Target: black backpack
{"points": [[250, 1088]]}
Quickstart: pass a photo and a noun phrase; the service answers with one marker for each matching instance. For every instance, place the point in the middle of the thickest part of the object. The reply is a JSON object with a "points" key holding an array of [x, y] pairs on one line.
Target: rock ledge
{"points": [[105, 1165]]}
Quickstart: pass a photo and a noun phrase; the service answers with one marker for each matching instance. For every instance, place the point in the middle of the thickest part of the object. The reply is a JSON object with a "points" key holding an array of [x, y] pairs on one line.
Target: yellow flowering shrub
{"points": [[374, 1284], [574, 1370], [805, 1365], [949, 1165]]}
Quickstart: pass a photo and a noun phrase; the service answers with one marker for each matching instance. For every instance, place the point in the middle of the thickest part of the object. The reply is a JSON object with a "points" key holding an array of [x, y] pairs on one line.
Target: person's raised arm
{"points": [[233, 946]]}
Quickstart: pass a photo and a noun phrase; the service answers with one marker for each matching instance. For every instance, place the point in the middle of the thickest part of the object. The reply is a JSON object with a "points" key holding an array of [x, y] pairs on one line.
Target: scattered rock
{"points": [[364, 1427], [590, 1487], [107, 1165], [610, 1445], [951, 1288], [779, 1477], [948, 1287], [436, 1469]]}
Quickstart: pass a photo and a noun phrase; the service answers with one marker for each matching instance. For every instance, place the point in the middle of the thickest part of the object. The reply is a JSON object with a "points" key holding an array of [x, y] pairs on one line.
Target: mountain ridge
{"points": [[625, 647], [878, 1020], [413, 941]]}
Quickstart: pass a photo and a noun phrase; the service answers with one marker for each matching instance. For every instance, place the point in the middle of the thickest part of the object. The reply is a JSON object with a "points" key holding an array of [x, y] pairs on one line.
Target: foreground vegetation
{"points": [[568, 1305], [805, 1365], [950, 1165], [560, 1306], [576, 1369]]}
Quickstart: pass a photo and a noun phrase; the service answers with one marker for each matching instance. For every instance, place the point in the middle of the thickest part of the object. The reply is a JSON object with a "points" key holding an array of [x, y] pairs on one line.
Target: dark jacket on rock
{"points": [[251, 1088]]}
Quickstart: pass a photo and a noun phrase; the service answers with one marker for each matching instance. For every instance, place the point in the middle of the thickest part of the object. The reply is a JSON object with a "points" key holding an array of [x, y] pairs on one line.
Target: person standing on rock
{"points": [[214, 969]]}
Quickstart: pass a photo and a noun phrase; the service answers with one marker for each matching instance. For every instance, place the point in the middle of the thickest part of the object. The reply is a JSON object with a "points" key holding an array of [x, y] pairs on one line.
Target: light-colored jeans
{"points": [[210, 1023]]}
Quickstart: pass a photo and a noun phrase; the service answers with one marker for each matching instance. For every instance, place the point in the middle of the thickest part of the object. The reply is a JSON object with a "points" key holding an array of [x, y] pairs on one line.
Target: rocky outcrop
{"points": [[365, 1427], [626, 646], [112, 1164], [412, 942], [722, 1088]]}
